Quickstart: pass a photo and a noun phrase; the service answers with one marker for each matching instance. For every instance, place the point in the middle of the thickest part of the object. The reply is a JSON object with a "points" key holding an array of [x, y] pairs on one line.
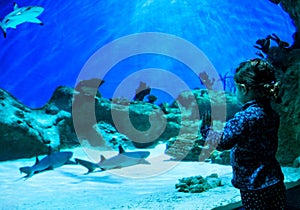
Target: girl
{"points": [[252, 137]]}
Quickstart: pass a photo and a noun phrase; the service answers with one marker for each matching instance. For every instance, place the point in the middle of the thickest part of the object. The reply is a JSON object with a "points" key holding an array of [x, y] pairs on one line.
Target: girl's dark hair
{"points": [[259, 75]]}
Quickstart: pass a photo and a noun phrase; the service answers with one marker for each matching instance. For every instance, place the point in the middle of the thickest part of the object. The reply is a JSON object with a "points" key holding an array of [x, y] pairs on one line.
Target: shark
{"points": [[51, 161], [21, 15], [121, 160]]}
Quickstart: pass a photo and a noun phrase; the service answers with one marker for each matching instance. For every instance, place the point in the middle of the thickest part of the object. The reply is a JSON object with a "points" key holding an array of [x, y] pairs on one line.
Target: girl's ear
{"points": [[244, 89]]}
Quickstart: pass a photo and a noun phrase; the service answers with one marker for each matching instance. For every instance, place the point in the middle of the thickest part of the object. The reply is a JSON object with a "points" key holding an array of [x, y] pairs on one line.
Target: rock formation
{"points": [[292, 7], [25, 132], [287, 60], [198, 184], [66, 121]]}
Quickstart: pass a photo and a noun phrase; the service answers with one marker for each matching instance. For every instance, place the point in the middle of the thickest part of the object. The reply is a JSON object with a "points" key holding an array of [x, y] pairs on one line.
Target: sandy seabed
{"points": [[135, 187]]}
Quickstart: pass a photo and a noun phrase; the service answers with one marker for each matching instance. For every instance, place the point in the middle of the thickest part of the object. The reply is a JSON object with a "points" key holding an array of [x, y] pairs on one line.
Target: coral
{"points": [[121, 101], [228, 82], [198, 184], [219, 100], [263, 45], [142, 91], [165, 107], [151, 98], [279, 42], [54, 123], [113, 137], [89, 87], [206, 81]]}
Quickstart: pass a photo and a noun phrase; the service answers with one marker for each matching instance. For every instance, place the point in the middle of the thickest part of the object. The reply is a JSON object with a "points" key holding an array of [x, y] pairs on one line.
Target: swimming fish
{"points": [[121, 160], [51, 161], [21, 15]]}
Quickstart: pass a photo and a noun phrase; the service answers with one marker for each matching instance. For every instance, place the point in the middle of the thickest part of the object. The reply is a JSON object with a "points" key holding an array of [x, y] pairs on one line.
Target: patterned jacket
{"points": [[252, 137]]}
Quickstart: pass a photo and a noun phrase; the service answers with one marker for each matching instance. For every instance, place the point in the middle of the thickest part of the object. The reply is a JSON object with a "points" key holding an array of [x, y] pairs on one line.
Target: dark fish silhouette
{"points": [[51, 161], [121, 160]]}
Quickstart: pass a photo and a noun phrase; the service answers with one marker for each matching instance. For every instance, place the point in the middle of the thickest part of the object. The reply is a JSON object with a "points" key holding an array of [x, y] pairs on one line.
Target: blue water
{"points": [[35, 59]]}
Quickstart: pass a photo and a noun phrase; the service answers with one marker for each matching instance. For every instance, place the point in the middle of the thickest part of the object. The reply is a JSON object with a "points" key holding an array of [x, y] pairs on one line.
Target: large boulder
{"points": [[61, 99], [287, 61], [292, 7], [289, 111], [25, 132]]}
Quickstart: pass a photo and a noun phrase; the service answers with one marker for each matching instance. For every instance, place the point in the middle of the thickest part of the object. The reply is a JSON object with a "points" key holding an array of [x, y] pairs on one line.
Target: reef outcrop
{"points": [[25, 132], [72, 117], [287, 61], [289, 110], [198, 184]]}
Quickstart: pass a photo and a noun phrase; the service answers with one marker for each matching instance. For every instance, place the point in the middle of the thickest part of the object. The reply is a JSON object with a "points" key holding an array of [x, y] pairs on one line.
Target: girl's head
{"points": [[255, 79]]}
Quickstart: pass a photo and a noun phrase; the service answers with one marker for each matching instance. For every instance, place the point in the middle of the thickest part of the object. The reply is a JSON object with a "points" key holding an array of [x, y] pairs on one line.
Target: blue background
{"points": [[35, 59]]}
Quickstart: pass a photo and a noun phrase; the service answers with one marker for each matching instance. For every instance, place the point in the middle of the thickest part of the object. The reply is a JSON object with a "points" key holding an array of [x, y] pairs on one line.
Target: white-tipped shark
{"points": [[21, 15], [121, 160], [51, 161]]}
